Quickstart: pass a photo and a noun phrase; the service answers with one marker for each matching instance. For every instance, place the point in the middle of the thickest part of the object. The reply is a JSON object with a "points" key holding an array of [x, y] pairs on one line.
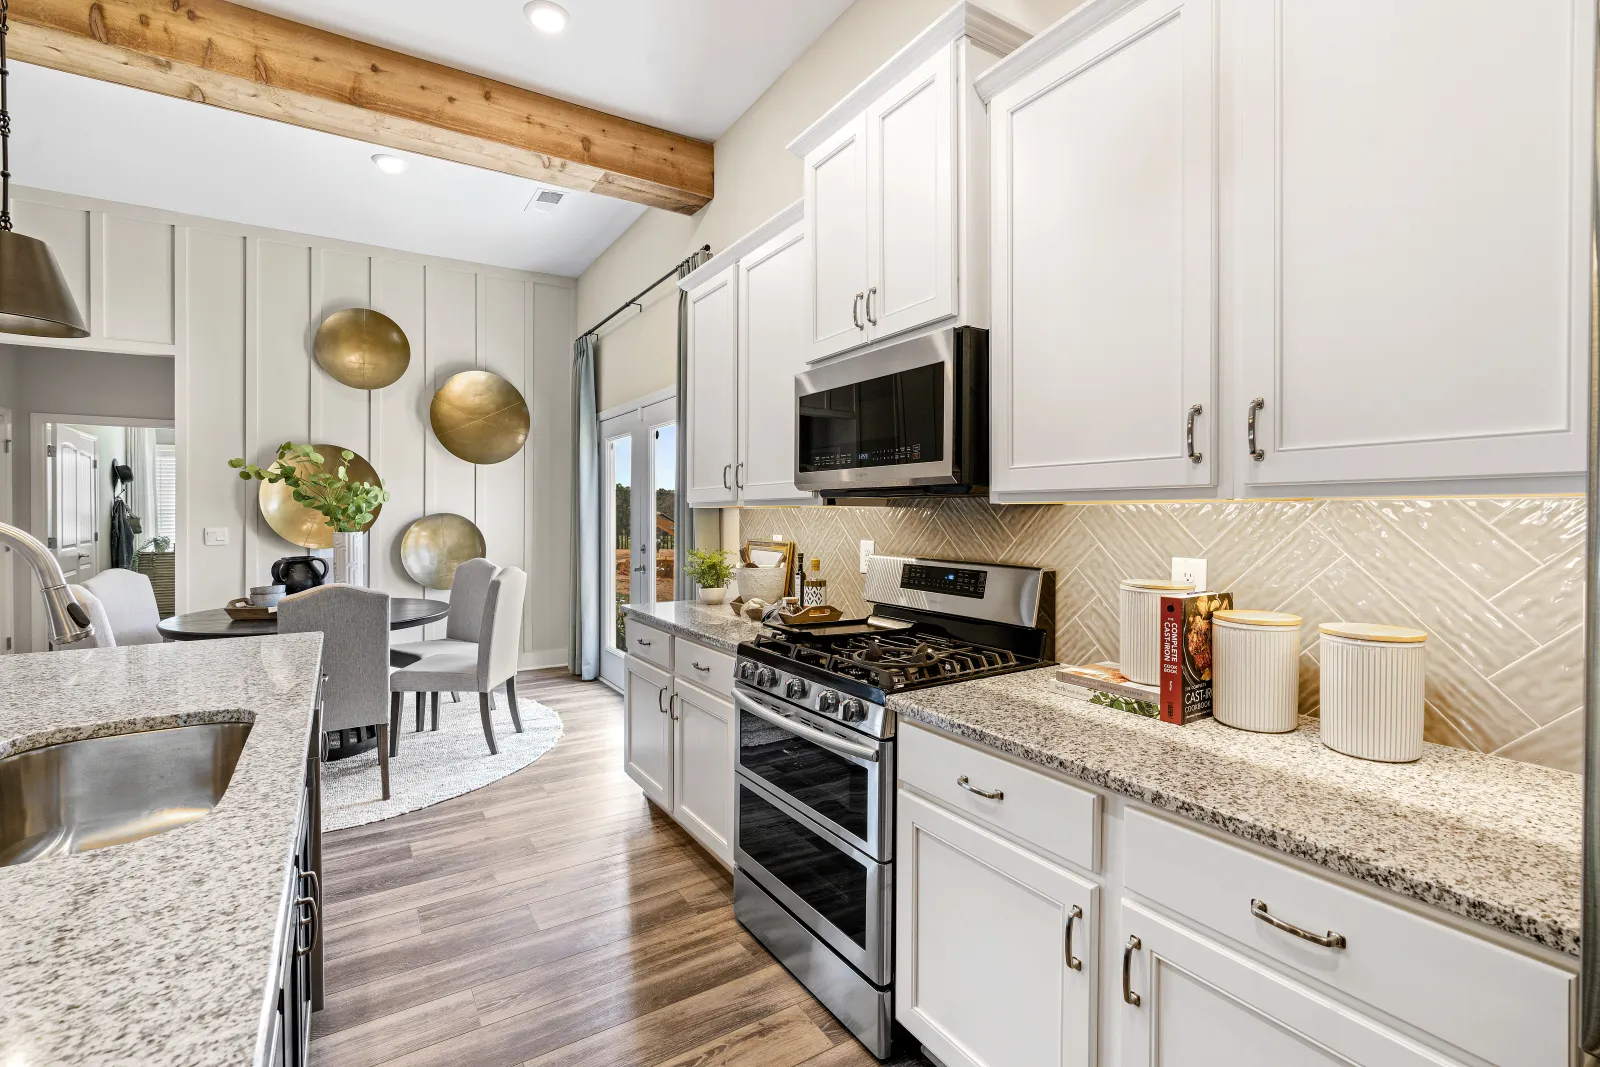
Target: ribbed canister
{"points": [[1256, 681], [1372, 690], [1141, 626]]}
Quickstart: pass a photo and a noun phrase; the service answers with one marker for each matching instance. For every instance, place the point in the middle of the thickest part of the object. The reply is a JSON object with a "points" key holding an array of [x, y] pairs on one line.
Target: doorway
{"points": [[639, 461]]}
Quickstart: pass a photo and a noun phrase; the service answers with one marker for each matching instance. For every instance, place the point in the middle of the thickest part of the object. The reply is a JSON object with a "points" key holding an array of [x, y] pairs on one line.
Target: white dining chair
{"points": [[130, 605], [104, 636]]}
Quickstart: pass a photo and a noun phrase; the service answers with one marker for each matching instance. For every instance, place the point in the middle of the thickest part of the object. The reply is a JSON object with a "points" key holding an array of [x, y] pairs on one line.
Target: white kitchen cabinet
{"points": [[647, 732], [1412, 194], [713, 390], [894, 191], [1103, 350], [996, 956], [703, 771]]}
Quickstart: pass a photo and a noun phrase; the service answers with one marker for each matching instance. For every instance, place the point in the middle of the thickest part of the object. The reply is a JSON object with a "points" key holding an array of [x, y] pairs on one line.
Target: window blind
{"points": [[166, 486]]}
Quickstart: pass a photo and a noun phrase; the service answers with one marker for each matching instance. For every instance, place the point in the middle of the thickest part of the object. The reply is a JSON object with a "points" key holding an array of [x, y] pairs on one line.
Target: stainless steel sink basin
{"points": [[106, 791]]}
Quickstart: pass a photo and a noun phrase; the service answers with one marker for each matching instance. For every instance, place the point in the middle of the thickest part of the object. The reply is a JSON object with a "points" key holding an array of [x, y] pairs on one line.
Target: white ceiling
{"points": [[691, 66]]}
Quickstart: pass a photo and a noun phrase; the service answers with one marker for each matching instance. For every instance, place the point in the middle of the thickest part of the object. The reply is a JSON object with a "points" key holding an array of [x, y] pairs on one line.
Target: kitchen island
{"points": [[165, 950]]}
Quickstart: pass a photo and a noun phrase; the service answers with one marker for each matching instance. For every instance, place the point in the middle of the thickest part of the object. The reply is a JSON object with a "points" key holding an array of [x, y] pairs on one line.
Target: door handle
{"points": [[1188, 434], [855, 311], [1073, 916], [1258, 908], [1128, 995], [870, 316], [1250, 429]]}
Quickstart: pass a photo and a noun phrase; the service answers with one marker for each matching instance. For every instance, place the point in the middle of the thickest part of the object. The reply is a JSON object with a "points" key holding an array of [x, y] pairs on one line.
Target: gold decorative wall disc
{"points": [[298, 524], [362, 348], [480, 417], [433, 547]]}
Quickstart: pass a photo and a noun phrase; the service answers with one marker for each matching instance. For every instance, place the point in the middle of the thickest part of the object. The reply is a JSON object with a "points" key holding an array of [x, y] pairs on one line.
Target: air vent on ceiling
{"points": [[544, 200]]}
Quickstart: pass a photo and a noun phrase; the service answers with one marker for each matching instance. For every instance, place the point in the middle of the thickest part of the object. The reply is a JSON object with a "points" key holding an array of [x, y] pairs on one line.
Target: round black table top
{"points": [[404, 613]]}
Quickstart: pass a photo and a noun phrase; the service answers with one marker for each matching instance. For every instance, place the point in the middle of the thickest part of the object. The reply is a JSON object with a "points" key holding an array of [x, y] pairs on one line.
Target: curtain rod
{"points": [[642, 292]]}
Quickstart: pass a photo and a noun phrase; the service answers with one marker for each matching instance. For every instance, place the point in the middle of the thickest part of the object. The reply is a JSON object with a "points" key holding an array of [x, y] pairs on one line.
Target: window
{"points": [[166, 487]]}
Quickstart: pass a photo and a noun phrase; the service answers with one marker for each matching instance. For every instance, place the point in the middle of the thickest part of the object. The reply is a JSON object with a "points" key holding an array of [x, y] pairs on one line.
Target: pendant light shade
{"points": [[34, 298]]}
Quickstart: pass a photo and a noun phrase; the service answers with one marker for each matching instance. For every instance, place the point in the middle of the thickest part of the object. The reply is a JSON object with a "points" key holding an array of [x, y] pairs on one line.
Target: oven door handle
{"points": [[820, 738]]}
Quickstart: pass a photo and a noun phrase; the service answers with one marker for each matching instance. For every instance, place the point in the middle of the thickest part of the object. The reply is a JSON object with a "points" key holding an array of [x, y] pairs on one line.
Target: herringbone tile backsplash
{"points": [[1498, 585]]}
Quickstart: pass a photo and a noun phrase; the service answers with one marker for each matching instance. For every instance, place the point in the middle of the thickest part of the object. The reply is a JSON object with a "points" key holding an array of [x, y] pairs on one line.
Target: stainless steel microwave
{"points": [[911, 418]]}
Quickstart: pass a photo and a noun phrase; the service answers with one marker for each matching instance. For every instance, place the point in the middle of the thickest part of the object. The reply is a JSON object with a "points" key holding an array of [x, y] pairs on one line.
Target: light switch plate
{"points": [[216, 535], [1190, 570], [866, 550]]}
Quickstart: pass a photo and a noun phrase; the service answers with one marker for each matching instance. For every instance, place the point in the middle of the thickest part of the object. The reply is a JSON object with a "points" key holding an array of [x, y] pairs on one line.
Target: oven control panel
{"points": [[954, 581]]}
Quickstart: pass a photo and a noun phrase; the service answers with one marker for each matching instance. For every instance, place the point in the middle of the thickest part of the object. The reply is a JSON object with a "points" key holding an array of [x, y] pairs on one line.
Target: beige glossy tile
{"points": [[1032, 527], [1209, 523], [1133, 555], [1439, 729], [1549, 601], [1310, 684], [1101, 621], [1261, 530], [1313, 612], [1075, 646], [1544, 526], [1471, 549], [1558, 744], [973, 526], [1549, 683], [1487, 508], [1104, 576], [1281, 572], [1158, 525], [1488, 717]]}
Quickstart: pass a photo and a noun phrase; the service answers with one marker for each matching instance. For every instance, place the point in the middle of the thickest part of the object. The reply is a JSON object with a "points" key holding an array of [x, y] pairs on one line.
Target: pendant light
{"points": [[34, 298]]}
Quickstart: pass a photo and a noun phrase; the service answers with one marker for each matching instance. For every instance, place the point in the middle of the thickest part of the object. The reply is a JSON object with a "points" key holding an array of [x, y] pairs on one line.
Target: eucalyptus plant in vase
{"points": [[348, 506]]}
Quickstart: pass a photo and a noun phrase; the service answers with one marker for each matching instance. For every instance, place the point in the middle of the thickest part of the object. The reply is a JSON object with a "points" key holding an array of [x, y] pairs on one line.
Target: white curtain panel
{"points": [[142, 494], [586, 576]]}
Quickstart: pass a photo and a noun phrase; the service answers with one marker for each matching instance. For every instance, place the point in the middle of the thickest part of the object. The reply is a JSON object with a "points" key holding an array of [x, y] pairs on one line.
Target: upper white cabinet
{"points": [[894, 191], [1103, 344], [747, 341]]}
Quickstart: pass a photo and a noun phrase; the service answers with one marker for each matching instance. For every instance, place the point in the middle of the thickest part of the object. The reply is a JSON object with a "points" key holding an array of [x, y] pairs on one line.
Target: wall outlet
{"points": [[866, 550], [216, 535], [1190, 570]]}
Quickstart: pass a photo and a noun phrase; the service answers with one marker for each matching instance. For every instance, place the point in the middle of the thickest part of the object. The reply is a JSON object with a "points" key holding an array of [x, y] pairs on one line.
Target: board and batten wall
{"points": [[237, 307]]}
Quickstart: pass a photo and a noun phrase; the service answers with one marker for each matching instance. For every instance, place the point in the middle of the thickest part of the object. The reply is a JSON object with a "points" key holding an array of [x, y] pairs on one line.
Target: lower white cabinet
{"points": [[995, 954], [647, 730]]}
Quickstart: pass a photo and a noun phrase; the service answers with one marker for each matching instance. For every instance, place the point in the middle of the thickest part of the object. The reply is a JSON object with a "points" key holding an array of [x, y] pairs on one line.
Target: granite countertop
{"points": [[710, 624], [156, 951], [1484, 837]]}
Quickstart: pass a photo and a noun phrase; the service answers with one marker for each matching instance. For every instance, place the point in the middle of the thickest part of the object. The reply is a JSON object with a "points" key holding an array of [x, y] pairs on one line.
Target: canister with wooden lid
{"points": [[1141, 626], [1257, 681], [1372, 690]]}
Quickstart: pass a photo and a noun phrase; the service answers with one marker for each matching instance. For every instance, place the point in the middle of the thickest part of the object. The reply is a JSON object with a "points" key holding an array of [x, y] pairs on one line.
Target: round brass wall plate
{"points": [[480, 417], [298, 524], [434, 546], [362, 348]]}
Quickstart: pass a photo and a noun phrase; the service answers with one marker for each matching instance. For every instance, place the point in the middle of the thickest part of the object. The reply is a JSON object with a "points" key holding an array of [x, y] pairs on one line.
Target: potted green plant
{"points": [[347, 505], [710, 570]]}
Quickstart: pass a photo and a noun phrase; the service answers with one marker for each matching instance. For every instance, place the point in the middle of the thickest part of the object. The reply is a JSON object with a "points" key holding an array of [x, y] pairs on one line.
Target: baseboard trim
{"points": [[541, 658]]}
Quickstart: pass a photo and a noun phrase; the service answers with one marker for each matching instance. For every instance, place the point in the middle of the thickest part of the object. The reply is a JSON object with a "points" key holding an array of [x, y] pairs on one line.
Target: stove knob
{"points": [[766, 677], [828, 702], [796, 689], [854, 710], [747, 672]]}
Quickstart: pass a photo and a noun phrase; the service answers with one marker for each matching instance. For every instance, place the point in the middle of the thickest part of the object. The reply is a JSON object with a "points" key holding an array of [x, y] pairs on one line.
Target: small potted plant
{"points": [[710, 570], [348, 506]]}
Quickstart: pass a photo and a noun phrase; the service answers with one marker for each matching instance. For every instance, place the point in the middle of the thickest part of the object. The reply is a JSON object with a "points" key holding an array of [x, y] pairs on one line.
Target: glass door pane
{"points": [[619, 533], [665, 507]]}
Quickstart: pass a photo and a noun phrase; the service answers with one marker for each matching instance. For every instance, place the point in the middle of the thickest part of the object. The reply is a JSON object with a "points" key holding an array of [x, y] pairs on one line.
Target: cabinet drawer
{"points": [[705, 667], [1487, 1000], [1041, 811], [648, 643]]}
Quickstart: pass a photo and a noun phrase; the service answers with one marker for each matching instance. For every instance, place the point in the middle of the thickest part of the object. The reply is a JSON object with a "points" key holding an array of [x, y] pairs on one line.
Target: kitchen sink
{"points": [[105, 791]]}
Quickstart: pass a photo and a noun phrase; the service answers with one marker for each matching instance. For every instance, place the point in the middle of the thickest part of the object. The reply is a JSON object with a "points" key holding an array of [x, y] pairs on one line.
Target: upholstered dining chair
{"points": [[104, 636], [354, 623], [493, 665], [462, 625], [130, 603]]}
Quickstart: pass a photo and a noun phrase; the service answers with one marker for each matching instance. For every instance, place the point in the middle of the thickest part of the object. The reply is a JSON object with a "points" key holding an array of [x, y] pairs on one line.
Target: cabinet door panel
{"points": [[1413, 210], [989, 985], [647, 731], [138, 280], [772, 350], [1104, 312], [704, 745], [836, 240], [713, 390], [911, 215]]}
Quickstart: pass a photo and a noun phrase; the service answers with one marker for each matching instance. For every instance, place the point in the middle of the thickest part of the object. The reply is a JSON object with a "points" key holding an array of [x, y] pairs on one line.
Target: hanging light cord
{"points": [[5, 120]]}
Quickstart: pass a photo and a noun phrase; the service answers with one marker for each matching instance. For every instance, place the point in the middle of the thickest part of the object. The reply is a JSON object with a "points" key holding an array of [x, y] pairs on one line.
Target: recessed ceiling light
{"points": [[547, 16], [389, 164]]}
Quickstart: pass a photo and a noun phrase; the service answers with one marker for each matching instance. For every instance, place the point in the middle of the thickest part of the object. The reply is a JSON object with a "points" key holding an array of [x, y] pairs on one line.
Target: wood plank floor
{"points": [[552, 919]]}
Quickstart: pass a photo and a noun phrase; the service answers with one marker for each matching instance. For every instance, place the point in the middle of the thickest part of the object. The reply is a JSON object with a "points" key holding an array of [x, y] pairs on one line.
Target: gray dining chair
{"points": [[354, 624], [467, 592], [130, 603], [493, 665]]}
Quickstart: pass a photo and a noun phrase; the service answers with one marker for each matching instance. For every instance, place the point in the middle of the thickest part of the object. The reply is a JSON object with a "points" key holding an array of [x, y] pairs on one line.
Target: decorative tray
{"points": [[241, 610]]}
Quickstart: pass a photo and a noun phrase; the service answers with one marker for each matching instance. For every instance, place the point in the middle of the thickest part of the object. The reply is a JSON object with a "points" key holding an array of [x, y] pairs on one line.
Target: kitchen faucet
{"points": [[69, 623]]}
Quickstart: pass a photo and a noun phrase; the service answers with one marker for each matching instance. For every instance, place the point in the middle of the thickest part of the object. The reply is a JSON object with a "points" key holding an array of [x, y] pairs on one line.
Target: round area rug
{"points": [[432, 767]]}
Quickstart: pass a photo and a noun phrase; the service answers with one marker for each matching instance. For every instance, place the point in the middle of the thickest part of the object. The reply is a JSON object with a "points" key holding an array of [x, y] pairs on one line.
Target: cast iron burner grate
{"points": [[892, 660]]}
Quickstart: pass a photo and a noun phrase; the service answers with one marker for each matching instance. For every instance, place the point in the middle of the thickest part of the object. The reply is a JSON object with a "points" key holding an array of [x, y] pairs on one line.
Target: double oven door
{"points": [[815, 825]]}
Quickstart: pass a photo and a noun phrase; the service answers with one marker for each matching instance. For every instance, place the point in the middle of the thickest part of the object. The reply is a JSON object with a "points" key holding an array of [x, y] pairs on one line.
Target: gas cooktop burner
{"points": [[895, 660]]}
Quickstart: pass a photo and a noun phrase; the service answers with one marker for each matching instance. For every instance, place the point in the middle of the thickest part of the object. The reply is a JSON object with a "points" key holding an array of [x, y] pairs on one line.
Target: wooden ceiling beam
{"points": [[218, 53]]}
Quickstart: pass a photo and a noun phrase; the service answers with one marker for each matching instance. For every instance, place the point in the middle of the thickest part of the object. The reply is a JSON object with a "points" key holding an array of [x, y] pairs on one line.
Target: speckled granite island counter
{"points": [[1487, 838], [158, 951], [710, 624]]}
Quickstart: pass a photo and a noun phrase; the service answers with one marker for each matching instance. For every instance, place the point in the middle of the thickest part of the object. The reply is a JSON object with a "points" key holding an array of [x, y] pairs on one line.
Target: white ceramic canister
{"points": [[1372, 684], [1141, 626], [1255, 684]]}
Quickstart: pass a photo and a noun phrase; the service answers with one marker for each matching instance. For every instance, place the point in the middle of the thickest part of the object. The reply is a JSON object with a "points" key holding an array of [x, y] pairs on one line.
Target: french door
{"points": [[638, 491]]}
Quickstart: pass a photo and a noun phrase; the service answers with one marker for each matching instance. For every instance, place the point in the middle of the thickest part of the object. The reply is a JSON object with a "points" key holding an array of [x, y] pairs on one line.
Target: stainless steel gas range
{"points": [[814, 833]]}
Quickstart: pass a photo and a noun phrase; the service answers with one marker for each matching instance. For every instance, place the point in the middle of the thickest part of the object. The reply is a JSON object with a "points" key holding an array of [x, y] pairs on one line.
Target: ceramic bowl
{"points": [[266, 596]]}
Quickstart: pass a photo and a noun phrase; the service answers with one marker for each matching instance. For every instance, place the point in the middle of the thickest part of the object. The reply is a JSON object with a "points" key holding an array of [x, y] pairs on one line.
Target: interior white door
{"points": [[1412, 193], [703, 747], [772, 350], [74, 498], [8, 642], [647, 731], [623, 570], [911, 213], [836, 240], [1104, 311], [986, 941], [1203, 1005], [713, 391]]}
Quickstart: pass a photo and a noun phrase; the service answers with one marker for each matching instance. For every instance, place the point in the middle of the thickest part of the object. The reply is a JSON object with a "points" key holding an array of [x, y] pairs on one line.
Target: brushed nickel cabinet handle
{"points": [[870, 316], [1258, 908], [1255, 405], [1073, 916], [1128, 995], [1188, 434], [998, 794], [642, 641], [703, 670], [726, 467], [855, 311], [315, 922], [672, 707], [660, 693], [738, 475]]}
